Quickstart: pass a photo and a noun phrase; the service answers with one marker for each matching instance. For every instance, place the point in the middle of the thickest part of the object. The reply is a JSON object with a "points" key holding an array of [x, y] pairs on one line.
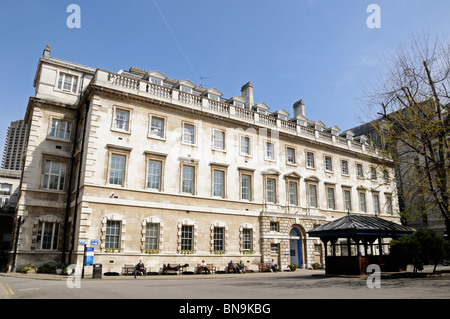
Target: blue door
{"points": [[295, 247]]}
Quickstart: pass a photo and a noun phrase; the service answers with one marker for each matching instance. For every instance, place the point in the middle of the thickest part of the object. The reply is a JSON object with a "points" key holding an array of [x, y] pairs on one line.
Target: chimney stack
{"points": [[46, 52], [299, 108], [247, 94]]}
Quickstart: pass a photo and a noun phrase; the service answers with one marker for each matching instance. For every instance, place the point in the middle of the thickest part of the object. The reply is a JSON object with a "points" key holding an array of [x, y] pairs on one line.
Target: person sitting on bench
{"points": [[204, 268], [273, 266], [176, 268], [140, 268], [232, 265]]}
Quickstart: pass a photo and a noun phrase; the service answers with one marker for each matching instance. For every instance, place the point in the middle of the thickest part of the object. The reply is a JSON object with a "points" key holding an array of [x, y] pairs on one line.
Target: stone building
{"points": [[14, 145], [166, 171]]}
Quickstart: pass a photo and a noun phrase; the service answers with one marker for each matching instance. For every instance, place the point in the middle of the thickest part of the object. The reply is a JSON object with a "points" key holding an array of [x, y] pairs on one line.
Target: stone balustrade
{"points": [[147, 89]]}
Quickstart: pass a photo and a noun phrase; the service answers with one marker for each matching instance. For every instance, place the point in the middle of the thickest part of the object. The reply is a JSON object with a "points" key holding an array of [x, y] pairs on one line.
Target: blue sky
{"points": [[320, 51]]}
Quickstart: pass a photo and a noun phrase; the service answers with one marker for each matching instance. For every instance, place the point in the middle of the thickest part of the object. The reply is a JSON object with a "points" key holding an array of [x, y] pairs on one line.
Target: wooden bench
{"points": [[264, 267], [211, 268], [128, 269], [176, 269], [230, 269]]}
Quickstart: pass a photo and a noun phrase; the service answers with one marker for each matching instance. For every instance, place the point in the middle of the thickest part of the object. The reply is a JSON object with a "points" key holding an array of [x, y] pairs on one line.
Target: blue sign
{"points": [[94, 242], [89, 256], [81, 242]]}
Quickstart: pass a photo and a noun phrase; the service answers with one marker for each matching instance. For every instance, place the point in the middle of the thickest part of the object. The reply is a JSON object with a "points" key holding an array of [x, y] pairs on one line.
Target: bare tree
{"points": [[413, 128]]}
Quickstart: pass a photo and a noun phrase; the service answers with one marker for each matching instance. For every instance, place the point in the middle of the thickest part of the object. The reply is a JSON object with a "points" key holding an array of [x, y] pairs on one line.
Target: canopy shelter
{"points": [[353, 242]]}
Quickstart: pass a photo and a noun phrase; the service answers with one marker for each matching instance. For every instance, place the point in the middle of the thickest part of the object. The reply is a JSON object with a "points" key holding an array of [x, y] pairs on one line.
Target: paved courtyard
{"points": [[301, 284]]}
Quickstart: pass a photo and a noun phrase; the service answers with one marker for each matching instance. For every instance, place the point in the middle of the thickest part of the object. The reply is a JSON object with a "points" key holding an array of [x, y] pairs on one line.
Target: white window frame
{"points": [[376, 203], [115, 126], [62, 173], [156, 177], [220, 186], [330, 170], [55, 124], [310, 196], [362, 203], [247, 187], [349, 192], [152, 130], [214, 140], [292, 161], [151, 240], [189, 141], [269, 151], [359, 174], [271, 192], [332, 198], [308, 164], [344, 168], [292, 195], [245, 137], [191, 181], [61, 81], [54, 236]]}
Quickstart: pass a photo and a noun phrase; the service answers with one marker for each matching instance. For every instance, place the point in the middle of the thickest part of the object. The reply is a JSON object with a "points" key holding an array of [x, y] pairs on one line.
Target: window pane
{"points": [[54, 175], [270, 190], [219, 142], [362, 202], [290, 155], [245, 145], [359, 170], [189, 136], [117, 169], [247, 239], [154, 175], [328, 165], [186, 237], [389, 205], [376, 204], [312, 196], [112, 234], [245, 187], [47, 236], [157, 127], [292, 193], [344, 167], [188, 179], [218, 183], [218, 238], [121, 120], [309, 159], [151, 236], [269, 151], [330, 195], [347, 203]]}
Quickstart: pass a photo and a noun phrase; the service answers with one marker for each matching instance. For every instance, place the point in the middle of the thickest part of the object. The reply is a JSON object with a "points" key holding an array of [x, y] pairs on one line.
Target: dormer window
{"points": [[282, 117], [185, 89], [67, 82], [260, 110], [318, 128], [238, 104], [156, 81], [213, 97]]}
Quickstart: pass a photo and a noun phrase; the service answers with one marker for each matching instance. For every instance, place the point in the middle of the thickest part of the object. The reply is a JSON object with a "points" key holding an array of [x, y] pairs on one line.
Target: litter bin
{"points": [[97, 271]]}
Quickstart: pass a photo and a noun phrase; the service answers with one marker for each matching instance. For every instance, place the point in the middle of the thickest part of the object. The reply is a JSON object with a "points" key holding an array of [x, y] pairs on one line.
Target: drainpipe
{"points": [[75, 214], [69, 191]]}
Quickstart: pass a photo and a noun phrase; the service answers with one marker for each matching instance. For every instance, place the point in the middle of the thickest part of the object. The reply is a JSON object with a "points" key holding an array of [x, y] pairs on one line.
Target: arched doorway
{"points": [[295, 247]]}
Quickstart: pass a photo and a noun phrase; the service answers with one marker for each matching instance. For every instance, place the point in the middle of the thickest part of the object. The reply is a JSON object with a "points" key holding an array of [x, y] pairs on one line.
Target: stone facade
{"points": [[169, 172]]}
